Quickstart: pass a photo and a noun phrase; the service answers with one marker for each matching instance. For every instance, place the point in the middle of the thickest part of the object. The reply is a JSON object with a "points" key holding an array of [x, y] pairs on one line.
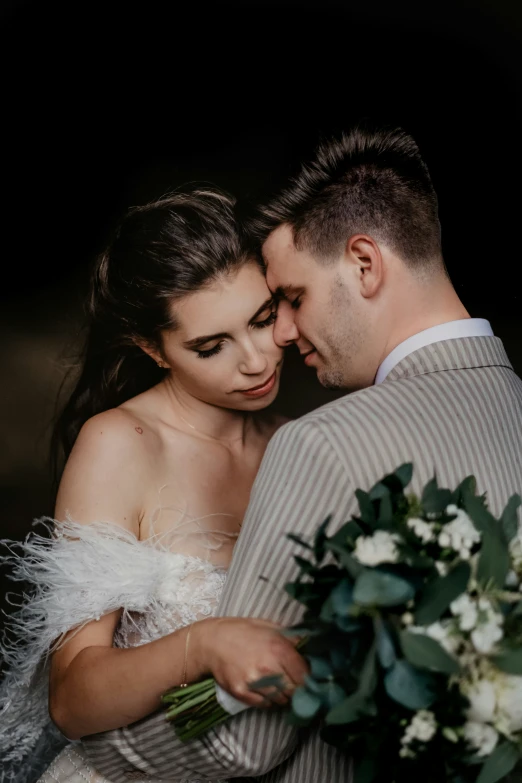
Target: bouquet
{"points": [[413, 630]]}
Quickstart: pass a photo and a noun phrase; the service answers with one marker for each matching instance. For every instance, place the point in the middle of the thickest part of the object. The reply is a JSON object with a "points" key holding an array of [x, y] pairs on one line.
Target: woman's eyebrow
{"points": [[206, 338]]}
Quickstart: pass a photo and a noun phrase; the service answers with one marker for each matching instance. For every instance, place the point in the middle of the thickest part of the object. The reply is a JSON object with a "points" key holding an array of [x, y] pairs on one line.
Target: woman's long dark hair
{"points": [[158, 253]]}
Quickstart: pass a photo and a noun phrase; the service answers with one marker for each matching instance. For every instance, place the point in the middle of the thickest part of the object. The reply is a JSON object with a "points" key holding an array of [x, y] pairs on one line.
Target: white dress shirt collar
{"points": [[466, 327]]}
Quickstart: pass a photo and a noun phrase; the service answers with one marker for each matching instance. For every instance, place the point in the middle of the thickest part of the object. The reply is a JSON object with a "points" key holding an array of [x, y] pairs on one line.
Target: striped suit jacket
{"points": [[452, 408]]}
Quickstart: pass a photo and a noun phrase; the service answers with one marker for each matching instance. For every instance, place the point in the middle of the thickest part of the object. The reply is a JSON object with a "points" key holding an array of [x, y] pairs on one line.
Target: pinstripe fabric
{"points": [[453, 408]]}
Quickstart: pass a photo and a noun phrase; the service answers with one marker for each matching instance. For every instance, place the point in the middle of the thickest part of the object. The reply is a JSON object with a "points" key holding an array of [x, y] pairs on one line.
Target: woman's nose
{"points": [[253, 362], [285, 329]]}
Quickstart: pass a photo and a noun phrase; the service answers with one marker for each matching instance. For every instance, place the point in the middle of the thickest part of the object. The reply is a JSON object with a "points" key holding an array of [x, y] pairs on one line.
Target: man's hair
{"points": [[371, 180]]}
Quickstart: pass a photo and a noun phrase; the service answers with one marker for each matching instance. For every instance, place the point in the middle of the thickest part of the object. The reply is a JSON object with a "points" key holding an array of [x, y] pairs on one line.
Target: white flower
{"points": [[509, 701], [495, 699], [441, 567], [407, 618], [489, 628], [512, 579], [482, 700], [480, 737], [466, 611], [460, 534], [422, 728], [481, 619], [376, 549], [422, 529], [515, 549], [444, 540]]}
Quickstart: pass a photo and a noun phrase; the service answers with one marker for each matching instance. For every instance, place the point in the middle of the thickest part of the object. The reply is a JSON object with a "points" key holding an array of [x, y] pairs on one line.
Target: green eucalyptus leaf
{"points": [[379, 491], [500, 763], [439, 593], [340, 657], [352, 566], [409, 686], [379, 588], [305, 565], [269, 681], [320, 539], [368, 679], [494, 559], [305, 704], [327, 613], [466, 489], [347, 624], [311, 685], [404, 473], [298, 540], [384, 643], [304, 592], [385, 512], [342, 598], [509, 518], [509, 661], [479, 514], [320, 668], [435, 500], [347, 711], [430, 488], [350, 531], [426, 653], [366, 507], [332, 694], [299, 630]]}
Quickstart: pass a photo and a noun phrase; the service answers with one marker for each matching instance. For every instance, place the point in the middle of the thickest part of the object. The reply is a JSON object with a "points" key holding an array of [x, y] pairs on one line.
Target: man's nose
{"points": [[285, 329]]}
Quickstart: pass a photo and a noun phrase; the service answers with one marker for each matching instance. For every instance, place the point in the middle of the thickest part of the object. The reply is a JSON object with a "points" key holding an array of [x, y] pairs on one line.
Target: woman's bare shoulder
{"points": [[104, 474]]}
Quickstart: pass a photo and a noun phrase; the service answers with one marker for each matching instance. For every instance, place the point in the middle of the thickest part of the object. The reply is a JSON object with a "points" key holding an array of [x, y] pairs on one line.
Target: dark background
{"points": [[108, 105]]}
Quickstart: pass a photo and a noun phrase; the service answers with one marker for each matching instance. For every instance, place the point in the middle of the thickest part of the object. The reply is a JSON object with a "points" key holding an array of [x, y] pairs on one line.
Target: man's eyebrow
{"points": [[206, 338], [284, 291]]}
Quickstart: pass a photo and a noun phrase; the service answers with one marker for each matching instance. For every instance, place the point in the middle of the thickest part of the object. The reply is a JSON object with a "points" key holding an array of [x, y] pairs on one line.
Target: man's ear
{"points": [[154, 354], [365, 254]]}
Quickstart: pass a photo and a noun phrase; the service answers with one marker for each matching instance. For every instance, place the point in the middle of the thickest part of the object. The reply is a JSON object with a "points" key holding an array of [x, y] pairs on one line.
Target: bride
{"points": [[164, 434]]}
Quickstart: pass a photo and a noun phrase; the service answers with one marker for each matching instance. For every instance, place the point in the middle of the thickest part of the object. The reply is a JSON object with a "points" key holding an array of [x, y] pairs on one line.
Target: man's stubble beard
{"points": [[343, 339]]}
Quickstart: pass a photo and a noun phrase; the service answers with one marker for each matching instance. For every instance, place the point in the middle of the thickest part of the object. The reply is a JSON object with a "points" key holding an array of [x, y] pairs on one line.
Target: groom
{"points": [[352, 247]]}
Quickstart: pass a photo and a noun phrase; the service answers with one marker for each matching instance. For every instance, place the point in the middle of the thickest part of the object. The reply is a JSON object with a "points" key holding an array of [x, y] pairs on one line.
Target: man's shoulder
{"points": [[327, 416], [350, 403]]}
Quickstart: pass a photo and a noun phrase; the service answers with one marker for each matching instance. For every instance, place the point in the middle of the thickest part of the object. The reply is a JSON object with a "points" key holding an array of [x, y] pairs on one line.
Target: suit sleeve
{"points": [[300, 482]]}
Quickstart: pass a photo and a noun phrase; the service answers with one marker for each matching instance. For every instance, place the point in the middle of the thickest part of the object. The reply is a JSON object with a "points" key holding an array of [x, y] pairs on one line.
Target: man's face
{"points": [[320, 311]]}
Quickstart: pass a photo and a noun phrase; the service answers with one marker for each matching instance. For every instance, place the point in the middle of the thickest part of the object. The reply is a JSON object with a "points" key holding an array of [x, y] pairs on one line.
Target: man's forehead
{"points": [[281, 286], [279, 242], [279, 254]]}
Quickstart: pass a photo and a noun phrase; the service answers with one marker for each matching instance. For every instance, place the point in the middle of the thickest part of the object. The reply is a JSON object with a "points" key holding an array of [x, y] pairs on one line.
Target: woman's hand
{"points": [[239, 651]]}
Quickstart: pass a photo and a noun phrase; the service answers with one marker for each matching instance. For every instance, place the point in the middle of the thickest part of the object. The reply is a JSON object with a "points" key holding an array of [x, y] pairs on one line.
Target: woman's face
{"points": [[223, 351]]}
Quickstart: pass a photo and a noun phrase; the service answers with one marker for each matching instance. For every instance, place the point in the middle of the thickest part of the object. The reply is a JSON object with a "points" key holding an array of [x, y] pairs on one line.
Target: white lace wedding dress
{"points": [[76, 575]]}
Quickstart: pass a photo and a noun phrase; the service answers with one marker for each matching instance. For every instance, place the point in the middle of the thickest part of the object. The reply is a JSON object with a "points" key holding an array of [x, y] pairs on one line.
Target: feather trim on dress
{"points": [[75, 573]]}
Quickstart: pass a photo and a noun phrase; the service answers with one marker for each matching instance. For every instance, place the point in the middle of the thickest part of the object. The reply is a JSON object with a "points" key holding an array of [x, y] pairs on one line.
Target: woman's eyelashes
{"points": [[267, 321], [257, 325], [210, 352]]}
